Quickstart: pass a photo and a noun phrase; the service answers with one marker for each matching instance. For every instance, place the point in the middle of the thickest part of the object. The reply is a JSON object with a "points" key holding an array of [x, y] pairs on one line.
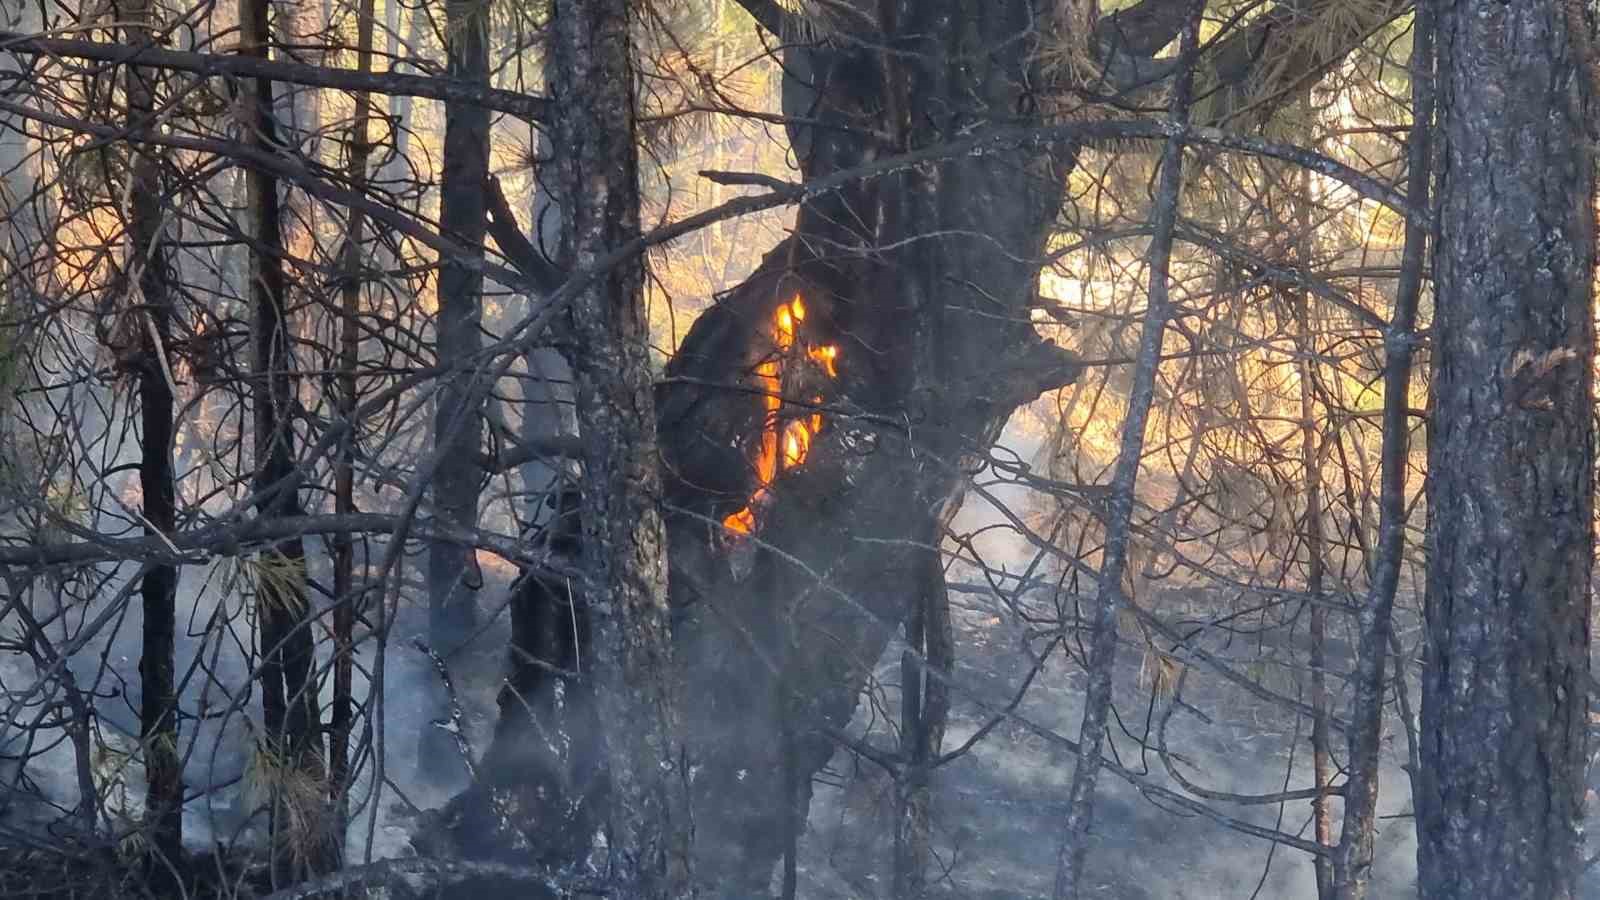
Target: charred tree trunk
{"points": [[918, 330], [1109, 592], [1510, 457], [301, 841], [624, 551], [453, 576], [150, 313], [1352, 858], [453, 573], [345, 598], [926, 667]]}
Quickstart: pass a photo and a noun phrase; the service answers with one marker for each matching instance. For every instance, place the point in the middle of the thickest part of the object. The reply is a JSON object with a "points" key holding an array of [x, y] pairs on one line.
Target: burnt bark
{"points": [[1110, 592], [302, 842], [1510, 495], [1352, 858], [453, 576], [926, 667], [624, 540], [346, 599], [149, 310], [922, 280], [541, 789]]}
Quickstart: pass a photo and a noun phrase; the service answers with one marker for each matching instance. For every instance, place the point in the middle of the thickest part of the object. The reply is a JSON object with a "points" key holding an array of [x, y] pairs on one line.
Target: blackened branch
{"points": [[455, 724], [769, 15], [526, 106], [514, 243]]}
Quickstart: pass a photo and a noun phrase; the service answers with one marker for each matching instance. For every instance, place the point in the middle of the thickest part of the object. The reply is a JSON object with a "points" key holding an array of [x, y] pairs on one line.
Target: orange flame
{"points": [[797, 433]]}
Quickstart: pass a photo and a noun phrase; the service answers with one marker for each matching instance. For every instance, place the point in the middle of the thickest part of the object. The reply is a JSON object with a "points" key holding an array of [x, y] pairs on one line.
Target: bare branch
{"points": [[513, 241], [769, 15], [525, 106]]}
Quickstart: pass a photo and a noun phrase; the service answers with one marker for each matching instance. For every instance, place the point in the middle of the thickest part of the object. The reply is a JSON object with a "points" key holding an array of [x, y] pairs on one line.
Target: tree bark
{"points": [[1510, 497], [302, 842], [1352, 858], [926, 667], [624, 540], [921, 279], [1311, 464], [1109, 594], [345, 598], [453, 573], [149, 310]]}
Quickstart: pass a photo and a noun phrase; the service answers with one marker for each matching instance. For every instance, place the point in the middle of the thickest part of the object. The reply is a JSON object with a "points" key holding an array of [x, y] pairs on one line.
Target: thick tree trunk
{"points": [[776, 643], [624, 540], [149, 312], [1510, 497], [301, 840]]}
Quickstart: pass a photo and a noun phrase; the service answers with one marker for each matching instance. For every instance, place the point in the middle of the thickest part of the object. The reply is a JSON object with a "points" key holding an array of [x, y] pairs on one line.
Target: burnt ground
{"points": [[998, 810]]}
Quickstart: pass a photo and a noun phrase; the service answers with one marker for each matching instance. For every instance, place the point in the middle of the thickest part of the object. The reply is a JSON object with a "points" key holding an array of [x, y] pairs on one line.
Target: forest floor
{"points": [[998, 810]]}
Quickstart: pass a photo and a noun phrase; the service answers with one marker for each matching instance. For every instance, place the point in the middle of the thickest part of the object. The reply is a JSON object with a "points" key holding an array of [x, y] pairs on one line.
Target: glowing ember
{"points": [[797, 433]]}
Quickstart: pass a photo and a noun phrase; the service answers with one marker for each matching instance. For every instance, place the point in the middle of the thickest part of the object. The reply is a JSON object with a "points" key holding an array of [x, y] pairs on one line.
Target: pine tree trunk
{"points": [[453, 574], [303, 843], [624, 540], [345, 597], [453, 578], [150, 312], [1510, 497], [1352, 858]]}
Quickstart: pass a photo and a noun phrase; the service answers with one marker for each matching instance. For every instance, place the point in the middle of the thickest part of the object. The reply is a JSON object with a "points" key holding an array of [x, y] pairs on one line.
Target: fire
{"points": [[784, 445]]}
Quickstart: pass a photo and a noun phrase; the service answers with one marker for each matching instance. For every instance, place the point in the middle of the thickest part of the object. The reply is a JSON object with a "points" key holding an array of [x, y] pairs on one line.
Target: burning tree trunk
{"points": [[910, 296], [149, 313], [816, 423], [1510, 456]]}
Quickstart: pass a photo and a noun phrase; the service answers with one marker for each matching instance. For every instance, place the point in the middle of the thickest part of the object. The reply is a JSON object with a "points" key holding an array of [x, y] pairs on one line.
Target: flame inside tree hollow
{"points": [[785, 441]]}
